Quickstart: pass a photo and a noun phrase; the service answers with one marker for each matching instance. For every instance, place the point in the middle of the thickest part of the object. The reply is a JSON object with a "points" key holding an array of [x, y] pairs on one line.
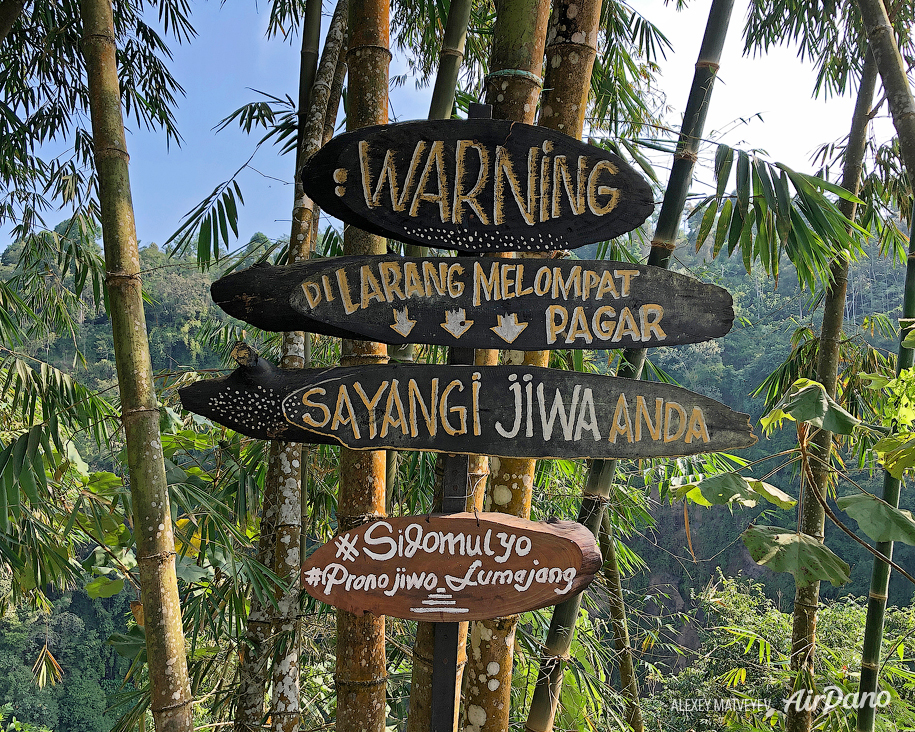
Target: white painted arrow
{"points": [[456, 322], [508, 328], [402, 322]]}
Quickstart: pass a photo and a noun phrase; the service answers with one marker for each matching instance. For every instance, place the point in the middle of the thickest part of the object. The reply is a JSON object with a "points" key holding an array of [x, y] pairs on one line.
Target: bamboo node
{"points": [[711, 65], [687, 155], [514, 72], [661, 244], [169, 707], [367, 47], [362, 684], [350, 522], [112, 152], [138, 410], [877, 596], [120, 274], [451, 52], [572, 44], [161, 557]]}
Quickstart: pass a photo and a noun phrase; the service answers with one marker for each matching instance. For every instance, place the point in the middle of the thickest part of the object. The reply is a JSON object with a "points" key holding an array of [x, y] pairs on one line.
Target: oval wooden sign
{"points": [[523, 304], [477, 185], [508, 411], [445, 569]]}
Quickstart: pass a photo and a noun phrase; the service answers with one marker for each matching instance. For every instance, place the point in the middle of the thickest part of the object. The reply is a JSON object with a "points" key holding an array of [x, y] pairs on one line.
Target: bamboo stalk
{"points": [[885, 58], [361, 672], [513, 88], [880, 574], [285, 469], [573, 32], [440, 107], [10, 11], [882, 41], [279, 546], [812, 518], [629, 681], [252, 666], [600, 475], [170, 688]]}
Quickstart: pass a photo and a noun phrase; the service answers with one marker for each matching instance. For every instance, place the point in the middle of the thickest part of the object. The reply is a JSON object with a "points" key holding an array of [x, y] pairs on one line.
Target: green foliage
{"points": [[802, 556], [878, 519], [807, 401]]}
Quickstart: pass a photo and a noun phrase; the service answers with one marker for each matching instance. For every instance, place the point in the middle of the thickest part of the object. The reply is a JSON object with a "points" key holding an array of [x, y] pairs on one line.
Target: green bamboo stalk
{"points": [[513, 88], [450, 58], [600, 475], [882, 41], [361, 672], [628, 679], [279, 546], [880, 574], [170, 689], [573, 30], [285, 469], [812, 515], [892, 72]]}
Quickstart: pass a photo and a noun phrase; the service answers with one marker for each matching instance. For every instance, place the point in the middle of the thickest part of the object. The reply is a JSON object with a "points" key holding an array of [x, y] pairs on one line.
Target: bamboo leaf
{"points": [[743, 182], [724, 158], [724, 221], [708, 218], [102, 587]]}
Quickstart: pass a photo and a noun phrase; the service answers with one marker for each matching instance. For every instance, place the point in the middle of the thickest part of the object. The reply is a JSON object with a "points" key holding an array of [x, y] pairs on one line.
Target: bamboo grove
{"points": [[109, 489]]}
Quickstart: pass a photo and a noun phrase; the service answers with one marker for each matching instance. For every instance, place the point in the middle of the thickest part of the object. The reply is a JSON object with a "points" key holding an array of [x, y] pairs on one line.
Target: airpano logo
{"points": [[804, 700]]}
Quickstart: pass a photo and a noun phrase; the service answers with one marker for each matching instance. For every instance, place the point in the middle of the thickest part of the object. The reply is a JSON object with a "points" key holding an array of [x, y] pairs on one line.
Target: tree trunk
{"points": [[600, 475], [812, 516], [361, 671], [10, 10], [171, 693], [440, 107], [572, 47], [513, 89], [280, 544]]}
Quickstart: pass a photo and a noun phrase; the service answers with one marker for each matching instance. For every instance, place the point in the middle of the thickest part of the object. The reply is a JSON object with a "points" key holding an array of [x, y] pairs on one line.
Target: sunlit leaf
{"points": [[879, 520], [803, 556]]}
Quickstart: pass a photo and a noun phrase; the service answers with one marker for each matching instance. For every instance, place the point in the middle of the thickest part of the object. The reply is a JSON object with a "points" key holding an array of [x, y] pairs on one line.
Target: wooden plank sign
{"points": [[462, 566], [523, 304], [509, 411], [477, 185]]}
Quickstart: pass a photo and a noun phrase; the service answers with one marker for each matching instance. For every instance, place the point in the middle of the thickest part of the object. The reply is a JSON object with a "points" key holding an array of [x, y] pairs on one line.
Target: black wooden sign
{"points": [[509, 411], [477, 185], [523, 304]]}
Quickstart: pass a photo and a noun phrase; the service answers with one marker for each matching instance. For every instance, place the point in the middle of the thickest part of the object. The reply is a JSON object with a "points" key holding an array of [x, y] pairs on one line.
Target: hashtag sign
{"points": [[346, 548]]}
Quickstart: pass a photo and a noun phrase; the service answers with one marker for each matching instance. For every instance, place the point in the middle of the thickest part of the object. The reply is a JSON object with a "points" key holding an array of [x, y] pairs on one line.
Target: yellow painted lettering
{"points": [[470, 197], [554, 325], [308, 404]]}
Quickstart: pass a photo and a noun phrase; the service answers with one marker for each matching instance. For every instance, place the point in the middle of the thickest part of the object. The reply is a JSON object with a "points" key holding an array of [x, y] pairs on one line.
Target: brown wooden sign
{"points": [[509, 411], [461, 566], [523, 304], [477, 185]]}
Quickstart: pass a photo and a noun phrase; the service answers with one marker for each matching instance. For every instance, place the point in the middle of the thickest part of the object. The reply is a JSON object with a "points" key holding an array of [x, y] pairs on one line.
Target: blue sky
{"points": [[232, 56]]}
